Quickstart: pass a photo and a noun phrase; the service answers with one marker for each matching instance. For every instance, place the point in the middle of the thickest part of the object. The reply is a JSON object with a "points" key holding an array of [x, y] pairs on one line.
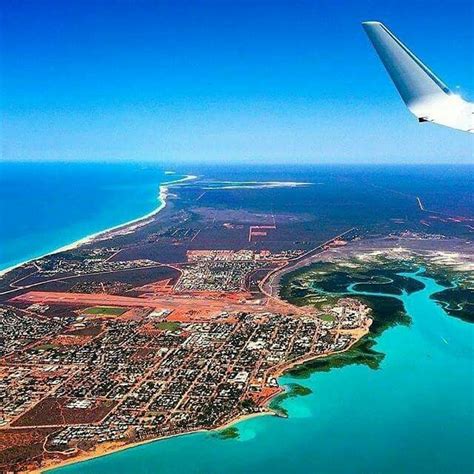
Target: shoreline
{"points": [[161, 198], [117, 446], [267, 411], [123, 447], [257, 185]]}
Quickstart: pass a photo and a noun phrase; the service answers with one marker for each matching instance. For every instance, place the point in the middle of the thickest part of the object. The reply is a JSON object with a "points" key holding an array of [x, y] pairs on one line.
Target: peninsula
{"points": [[167, 325]]}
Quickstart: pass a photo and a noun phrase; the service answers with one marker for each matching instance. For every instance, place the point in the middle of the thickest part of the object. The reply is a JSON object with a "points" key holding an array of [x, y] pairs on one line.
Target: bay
{"points": [[412, 415]]}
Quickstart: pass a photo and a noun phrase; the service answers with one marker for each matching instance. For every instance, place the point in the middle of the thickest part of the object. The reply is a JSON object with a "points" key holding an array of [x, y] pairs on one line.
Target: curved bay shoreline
{"points": [[303, 365], [129, 226], [112, 448]]}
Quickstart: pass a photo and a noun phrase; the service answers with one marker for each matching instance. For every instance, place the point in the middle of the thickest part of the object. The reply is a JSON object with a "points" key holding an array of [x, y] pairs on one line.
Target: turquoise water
{"points": [[413, 415], [44, 206]]}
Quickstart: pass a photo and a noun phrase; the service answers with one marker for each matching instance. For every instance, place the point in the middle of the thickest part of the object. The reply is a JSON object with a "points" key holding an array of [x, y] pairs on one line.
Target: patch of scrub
{"points": [[227, 433], [387, 311], [457, 302], [167, 326], [292, 390], [105, 310]]}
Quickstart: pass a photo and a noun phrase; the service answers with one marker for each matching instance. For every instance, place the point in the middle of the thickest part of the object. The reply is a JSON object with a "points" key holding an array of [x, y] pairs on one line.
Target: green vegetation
{"points": [[278, 409], [248, 403], [322, 283], [361, 353], [297, 390], [45, 347], [326, 317], [293, 390], [106, 310], [386, 312], [227, 433], [458, 298], [330, 280], [167, 326], [457, 302]]}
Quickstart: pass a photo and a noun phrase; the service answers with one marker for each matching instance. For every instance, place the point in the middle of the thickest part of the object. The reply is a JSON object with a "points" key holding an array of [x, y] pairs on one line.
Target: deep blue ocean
{"points": [[44, 206]]}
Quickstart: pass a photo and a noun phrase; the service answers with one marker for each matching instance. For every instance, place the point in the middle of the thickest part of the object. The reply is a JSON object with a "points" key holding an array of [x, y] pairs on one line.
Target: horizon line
{"points": [[235, 163]]}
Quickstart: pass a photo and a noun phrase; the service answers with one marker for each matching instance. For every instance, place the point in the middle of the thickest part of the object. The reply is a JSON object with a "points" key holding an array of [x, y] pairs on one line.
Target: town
{"points": [[143, 377], [169, 326], [142, 369]]}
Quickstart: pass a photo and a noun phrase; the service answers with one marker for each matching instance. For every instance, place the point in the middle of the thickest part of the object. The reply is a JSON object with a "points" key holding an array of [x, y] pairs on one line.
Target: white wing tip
{"points": [[425, 95], [369, 25]]}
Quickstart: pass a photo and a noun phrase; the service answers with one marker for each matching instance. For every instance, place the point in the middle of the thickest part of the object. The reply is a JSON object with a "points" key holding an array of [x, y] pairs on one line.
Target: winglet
{"points": [[425, 95]]}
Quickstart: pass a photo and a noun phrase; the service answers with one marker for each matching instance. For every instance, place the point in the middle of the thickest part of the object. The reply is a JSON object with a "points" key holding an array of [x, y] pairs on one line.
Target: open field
{"points": [[53, 411], [167, 326], [105, 310], [191, 306], [16, 445]]}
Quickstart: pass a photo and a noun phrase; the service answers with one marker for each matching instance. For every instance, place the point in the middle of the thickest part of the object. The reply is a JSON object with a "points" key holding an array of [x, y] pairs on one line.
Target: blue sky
{"points": [[224, 81]]}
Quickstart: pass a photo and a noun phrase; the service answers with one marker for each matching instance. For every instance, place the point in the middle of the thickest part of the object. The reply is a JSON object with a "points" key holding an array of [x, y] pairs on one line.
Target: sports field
{"points": [[168, 326], [107, 310]]}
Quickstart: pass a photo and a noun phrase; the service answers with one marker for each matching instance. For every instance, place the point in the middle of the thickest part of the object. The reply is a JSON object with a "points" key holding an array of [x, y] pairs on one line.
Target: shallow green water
{"points": [[413, 415]]}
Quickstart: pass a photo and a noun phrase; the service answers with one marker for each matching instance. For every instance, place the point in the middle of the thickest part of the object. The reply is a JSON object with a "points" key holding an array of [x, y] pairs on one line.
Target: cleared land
{"points": [[105, 310], [53, 411], [192, 306], [167, 326]]}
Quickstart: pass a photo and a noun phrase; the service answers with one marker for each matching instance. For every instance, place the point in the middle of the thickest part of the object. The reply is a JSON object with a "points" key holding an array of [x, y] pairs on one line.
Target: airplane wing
{"points": [[425, 95]]}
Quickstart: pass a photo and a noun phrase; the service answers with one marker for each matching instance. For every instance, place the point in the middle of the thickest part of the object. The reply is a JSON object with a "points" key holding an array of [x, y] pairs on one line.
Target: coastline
{"points": [[257, 185], [334, 380], [114, 448], [135, 223]]}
